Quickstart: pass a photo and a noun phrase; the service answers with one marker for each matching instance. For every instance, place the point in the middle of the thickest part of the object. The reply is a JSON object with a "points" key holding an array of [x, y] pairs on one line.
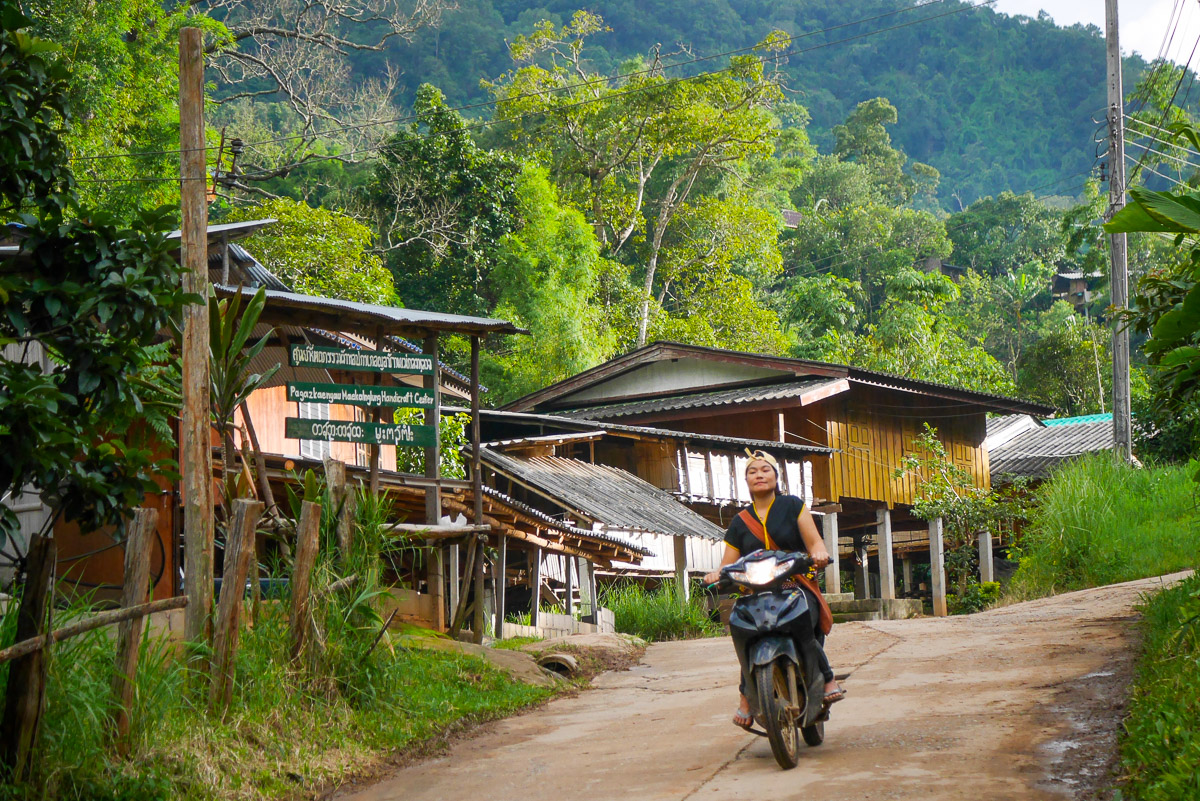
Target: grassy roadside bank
{"points": [[1160, 748], [288, 733], [1100, 522], [657, 614]]}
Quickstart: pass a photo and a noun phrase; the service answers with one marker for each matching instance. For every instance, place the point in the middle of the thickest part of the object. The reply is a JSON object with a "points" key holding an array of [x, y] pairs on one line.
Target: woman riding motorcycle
{"points": [[777, 522]]}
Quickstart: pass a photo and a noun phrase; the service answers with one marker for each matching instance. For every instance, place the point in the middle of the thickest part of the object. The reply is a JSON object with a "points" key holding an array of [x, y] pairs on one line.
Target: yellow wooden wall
{"points": [[871, 430]]}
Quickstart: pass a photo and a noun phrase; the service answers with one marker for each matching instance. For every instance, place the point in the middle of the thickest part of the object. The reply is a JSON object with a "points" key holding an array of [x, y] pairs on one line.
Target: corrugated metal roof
{"points": [[718, 440], [582, 533], [1037, 452], [1086, 418], [372, 314], [699, 400], [607, 495]]}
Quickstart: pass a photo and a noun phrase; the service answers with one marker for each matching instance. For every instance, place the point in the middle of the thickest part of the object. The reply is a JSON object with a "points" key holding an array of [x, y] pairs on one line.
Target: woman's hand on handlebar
{"points": [[820, 557], [712, 578]]}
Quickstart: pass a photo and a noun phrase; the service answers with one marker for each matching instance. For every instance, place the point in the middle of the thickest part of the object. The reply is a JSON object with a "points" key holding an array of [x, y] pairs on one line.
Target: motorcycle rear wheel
{"points": [[772, 685], [813, 735]]}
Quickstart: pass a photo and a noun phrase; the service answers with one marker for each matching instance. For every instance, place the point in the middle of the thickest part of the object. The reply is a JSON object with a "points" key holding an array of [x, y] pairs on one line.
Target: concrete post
{"points": [[986, 568], [500, 584], [833, 572], [887, 567], [862, 573], [681, 576], [587, 591], [568, 564], [937, 567], [906, 568]]}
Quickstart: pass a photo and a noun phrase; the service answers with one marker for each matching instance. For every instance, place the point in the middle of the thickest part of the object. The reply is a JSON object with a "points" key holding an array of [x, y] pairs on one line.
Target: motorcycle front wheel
{"points": [[773, 700]]}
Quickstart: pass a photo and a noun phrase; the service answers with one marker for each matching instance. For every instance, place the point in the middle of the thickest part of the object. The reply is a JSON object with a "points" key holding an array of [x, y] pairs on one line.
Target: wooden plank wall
{"points": [[872, 430], [270, 407]]}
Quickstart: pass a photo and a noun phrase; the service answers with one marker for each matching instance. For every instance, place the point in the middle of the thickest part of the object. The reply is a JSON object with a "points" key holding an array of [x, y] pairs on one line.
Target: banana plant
{"points": [[230, 330]]}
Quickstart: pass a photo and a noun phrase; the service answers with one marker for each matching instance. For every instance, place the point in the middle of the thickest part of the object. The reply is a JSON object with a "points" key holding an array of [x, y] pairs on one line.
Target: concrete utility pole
{"points": [[195, 453], [1119, 277]]}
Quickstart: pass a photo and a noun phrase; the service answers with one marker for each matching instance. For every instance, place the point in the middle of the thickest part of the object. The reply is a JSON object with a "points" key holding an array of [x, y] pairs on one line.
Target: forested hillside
{"points": [[993, 102]]}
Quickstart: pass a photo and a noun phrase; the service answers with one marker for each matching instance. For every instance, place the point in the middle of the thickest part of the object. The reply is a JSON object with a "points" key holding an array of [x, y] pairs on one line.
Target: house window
{"points": [[313, 448]]}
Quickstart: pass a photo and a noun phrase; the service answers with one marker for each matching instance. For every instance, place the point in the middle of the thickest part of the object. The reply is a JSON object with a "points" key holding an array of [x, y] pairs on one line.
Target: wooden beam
{"points": [[97, 621], [195, 453]]}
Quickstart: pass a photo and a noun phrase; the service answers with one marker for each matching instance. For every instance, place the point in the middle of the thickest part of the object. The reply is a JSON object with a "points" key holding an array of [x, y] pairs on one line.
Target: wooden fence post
{"points": [[26, 692], [307, 540], [239, 551], [343, 503], [135, 589]]}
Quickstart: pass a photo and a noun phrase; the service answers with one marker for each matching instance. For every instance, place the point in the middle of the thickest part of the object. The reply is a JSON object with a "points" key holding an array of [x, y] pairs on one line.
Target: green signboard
{"points": [[371, 361], [350, 431], [360, 395]]}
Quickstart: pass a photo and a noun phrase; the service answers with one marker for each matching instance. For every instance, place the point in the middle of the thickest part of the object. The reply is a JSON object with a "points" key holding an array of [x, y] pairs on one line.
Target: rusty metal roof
{"points": [[575, 531], [611, 497], [1037, 452], [699, 400]]}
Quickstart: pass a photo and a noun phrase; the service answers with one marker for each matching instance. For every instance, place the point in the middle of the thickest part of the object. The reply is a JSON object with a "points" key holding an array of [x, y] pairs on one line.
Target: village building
{"points": [[864, 422], [1023, 446]]}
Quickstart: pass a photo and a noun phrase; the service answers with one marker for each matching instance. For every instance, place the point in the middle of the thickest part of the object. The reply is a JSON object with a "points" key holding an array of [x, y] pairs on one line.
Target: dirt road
{"points": [[1017, 703]]}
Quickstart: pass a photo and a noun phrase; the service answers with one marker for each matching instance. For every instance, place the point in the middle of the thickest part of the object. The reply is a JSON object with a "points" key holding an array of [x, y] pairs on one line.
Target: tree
{"points": [[863, 139], [1069, 366], [297, 54], [947, 491], [441, 203], [546, 276], [818, 305], [90, 294], [631, 151], [319, 252], [1003, 234]]}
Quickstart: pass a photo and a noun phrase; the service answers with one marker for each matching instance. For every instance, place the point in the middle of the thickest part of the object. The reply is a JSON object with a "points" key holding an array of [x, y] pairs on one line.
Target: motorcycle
{"points": [[773, 635]]}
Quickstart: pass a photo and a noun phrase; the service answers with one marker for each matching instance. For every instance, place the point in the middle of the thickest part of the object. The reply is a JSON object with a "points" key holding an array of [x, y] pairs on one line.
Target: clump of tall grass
{"points": [[658, 614], [1098, 521], [1160, 746]]}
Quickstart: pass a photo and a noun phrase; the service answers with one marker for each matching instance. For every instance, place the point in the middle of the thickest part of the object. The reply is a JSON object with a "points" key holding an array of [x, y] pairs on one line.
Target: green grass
{"points": [[657, 614], [1160, 747], [1097, 521], [290, 730]]}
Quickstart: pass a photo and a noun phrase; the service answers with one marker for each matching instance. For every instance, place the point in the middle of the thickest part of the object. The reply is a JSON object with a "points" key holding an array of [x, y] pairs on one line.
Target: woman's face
{"points": [[760, 476]]}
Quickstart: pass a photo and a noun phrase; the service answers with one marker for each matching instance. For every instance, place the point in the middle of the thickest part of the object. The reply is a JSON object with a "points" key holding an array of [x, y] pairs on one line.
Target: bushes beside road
{"points": [[1160, 750], [657, 614], [1097, 521]]}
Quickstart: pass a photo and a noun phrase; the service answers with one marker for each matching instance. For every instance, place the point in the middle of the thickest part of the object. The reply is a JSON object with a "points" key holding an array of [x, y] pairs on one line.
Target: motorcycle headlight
{"points": [[762, 571]]}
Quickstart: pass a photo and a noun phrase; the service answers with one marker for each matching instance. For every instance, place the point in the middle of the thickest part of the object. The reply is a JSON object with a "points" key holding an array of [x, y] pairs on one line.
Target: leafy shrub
{"points": [[1160, 748], [1098, 521], [979, 596], [657, 614]]}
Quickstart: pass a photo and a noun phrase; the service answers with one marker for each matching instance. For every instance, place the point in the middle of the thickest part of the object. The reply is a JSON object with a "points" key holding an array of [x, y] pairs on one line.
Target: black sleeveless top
{"points": [[782, 525]]}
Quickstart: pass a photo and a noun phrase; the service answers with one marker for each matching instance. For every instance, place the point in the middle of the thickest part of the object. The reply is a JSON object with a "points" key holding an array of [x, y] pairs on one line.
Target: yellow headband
{"points": [[762, 456]]}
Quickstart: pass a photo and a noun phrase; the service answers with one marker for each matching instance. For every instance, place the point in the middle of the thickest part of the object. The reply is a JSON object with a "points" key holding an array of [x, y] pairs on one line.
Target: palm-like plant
{"points": [[230, 329]]}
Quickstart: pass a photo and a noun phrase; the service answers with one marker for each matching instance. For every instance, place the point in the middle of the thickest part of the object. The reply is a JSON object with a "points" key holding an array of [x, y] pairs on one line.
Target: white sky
{"points": [[1143, 22]]}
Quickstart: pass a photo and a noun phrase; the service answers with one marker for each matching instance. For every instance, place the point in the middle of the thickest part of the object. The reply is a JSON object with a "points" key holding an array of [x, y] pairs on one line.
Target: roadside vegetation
{"points": [[292, 726], [657, 614], [1161, 746], [1098, 521]]}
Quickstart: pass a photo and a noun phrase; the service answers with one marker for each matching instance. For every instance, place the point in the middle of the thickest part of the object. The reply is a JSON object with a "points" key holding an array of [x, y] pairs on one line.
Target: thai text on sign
{"points": [[360, 395], [416, 436], [372, 361]]}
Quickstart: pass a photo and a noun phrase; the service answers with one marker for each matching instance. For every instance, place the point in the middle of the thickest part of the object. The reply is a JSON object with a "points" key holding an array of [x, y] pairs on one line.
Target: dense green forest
{"points": [[568, 171], [994, 102]]}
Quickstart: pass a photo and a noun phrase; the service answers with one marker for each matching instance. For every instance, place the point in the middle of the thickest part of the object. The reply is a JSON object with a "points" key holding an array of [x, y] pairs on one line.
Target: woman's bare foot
{"points": [[833, 692]]}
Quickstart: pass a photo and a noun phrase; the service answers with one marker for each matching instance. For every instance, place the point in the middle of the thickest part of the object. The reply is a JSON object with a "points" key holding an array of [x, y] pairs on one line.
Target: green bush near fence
{"points": [[1160, 748], [1098, 521], [657, 614]]}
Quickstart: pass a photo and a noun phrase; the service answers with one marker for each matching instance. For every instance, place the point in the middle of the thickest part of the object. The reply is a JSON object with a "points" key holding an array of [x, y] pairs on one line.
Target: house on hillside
{"points": [[1075, 288], [859, 422]]}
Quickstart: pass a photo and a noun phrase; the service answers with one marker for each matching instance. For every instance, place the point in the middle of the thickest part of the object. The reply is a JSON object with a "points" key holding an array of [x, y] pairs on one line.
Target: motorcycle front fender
{"points": [[766, 650]]}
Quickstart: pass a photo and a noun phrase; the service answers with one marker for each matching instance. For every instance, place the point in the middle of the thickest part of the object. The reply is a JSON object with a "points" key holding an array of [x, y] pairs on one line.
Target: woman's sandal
{"points": [[833, 696], [743, 720]]}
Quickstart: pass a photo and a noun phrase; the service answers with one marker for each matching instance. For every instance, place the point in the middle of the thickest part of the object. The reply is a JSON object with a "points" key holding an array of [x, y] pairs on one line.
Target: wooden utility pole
{"points": [[195, 446], [433, 418], [477, 490], [1119, 277]]}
